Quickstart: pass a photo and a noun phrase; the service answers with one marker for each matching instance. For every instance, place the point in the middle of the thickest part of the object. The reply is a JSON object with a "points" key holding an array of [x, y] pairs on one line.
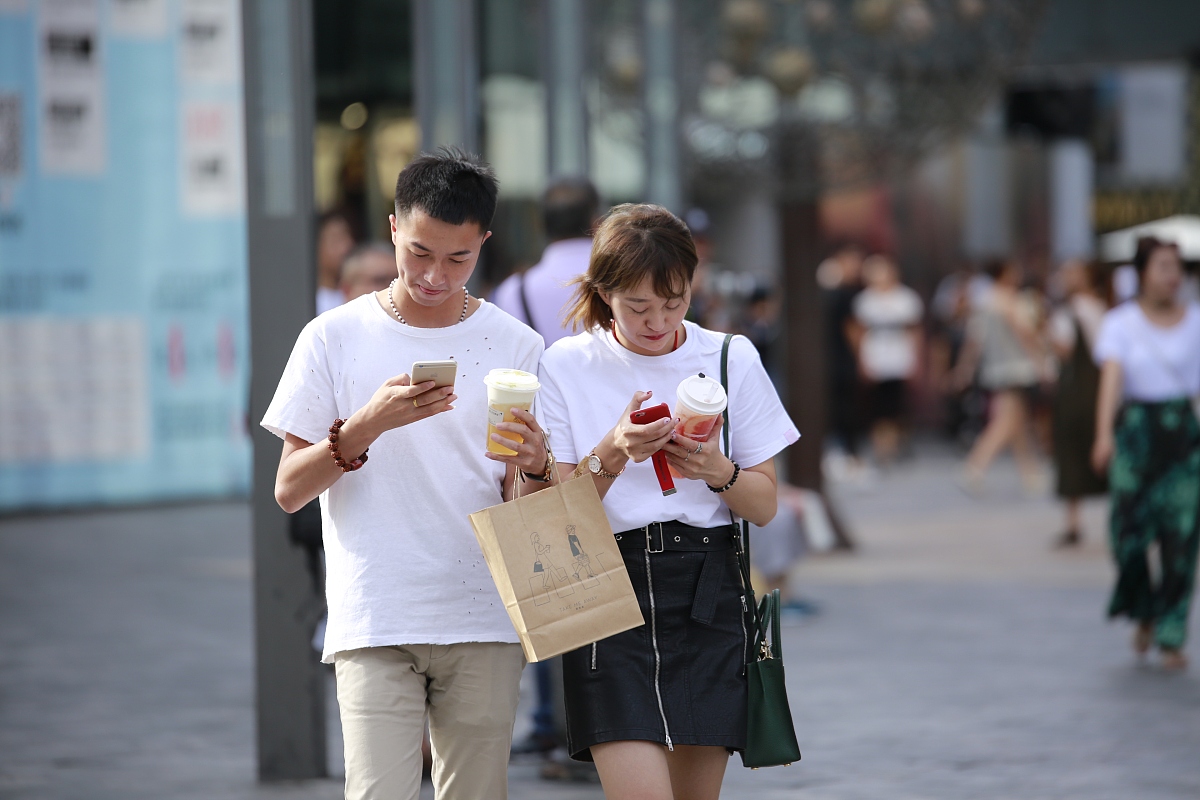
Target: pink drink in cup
{"points": [[699, 401]]}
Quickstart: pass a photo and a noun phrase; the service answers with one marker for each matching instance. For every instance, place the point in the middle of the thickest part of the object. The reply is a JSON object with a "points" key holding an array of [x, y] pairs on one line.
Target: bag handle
{"points": [[519, 477], [768, 610], [742, 531]]}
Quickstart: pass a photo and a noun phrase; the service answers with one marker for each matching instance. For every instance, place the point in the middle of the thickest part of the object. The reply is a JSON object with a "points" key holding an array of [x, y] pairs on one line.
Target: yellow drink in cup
{"points": [[507, 389]]}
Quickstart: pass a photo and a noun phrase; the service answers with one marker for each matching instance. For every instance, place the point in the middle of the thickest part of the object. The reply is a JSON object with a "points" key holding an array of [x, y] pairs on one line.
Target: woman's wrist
{"points": [[725, 478]]}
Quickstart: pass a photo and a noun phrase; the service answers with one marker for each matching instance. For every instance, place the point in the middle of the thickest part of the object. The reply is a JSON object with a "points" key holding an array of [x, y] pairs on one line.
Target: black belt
{"points": [[658, 537], [661, 537]]}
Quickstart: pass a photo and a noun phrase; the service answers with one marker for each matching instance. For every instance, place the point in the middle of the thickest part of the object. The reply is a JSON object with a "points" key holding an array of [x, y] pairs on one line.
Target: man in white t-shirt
{"points": [[415, 622], [539, 296], [887, 320]]}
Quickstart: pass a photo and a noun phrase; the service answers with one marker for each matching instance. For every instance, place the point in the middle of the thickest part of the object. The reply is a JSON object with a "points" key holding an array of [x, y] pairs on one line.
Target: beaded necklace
{"points": [[392, 303]]}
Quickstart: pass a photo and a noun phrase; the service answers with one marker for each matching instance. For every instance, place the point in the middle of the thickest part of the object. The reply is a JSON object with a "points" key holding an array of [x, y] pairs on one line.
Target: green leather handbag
{"points": [[770, 734]]}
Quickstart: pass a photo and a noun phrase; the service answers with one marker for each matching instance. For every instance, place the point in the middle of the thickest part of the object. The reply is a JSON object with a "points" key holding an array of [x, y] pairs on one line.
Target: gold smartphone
{"points": [[440, 372]]}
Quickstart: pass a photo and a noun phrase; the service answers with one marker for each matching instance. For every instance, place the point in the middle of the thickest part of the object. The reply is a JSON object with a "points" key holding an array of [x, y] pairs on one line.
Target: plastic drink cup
{"points": [[699, 401], [507, 389]]}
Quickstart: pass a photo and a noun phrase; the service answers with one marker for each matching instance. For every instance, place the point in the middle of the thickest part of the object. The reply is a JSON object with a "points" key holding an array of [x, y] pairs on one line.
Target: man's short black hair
{"points": [[570, 207], [448, 185]]}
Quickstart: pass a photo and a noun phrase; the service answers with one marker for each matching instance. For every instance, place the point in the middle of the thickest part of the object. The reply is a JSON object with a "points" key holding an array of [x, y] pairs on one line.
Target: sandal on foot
{"points": [[1068, 539], [1142, 638], [1173, 660]]}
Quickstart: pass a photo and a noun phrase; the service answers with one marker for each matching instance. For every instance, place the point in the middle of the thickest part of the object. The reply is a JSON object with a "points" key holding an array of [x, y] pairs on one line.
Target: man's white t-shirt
{"points": [[589, 379], [402, 562], [1156, 363], [888, 349]]}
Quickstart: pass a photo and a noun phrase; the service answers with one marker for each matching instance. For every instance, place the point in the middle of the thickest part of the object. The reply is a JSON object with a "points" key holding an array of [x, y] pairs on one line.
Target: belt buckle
{"points": [[662, 541]]}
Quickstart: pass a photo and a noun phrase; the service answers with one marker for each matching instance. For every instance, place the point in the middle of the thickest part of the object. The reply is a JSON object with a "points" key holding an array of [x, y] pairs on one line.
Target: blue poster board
{"points": [[124, 357]]}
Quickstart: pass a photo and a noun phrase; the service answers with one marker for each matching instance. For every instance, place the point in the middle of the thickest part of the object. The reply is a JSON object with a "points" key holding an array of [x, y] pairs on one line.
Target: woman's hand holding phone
{"points": [[639, 442]]}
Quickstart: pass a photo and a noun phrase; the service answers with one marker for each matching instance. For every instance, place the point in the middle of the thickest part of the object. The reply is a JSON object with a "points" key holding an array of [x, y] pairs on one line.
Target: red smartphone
{"points": [[644, 416]]}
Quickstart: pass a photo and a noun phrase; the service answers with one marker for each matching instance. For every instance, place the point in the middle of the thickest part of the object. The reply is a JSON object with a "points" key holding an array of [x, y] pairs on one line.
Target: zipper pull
{"points": [[745, 608]]}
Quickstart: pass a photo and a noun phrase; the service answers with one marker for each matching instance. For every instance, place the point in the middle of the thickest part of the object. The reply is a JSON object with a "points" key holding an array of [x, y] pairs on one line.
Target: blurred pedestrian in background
{"points": [[1003, 345], [1073, 330], [759, 323], [840, 276], [368, 268], [335, 240], [1148, 436], [537, 297], [886, 334]]}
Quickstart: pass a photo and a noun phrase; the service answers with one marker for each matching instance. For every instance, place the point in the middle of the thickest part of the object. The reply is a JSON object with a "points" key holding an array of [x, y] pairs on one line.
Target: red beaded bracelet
{"points": [[337, 454]]}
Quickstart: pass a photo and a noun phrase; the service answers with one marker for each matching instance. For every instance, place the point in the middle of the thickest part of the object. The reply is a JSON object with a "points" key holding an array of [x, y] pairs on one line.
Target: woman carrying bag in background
{"points": [[659, 708], [1148, 437]]}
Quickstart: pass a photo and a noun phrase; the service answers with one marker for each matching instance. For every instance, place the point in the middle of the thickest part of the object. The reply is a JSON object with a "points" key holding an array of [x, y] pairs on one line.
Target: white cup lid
{"points": [[702, 394], [512, 380]]}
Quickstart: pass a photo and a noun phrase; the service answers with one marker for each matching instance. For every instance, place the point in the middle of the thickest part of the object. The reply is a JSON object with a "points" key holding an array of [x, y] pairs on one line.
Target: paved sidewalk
{"points": [[956, 657]]}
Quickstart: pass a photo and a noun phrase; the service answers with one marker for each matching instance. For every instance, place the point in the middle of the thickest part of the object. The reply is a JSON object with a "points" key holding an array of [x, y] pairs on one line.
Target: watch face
{"points": [[594, 464]]}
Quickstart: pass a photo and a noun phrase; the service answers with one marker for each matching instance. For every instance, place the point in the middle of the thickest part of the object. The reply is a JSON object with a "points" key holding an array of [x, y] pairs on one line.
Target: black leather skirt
{"points": [[680, 678]]}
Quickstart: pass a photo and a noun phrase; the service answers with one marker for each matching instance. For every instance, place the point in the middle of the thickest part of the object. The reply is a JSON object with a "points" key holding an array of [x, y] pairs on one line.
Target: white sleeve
{"points": [[759, 426], [555, 417], [1111, 341], [916, 308], [304, 404], [1061, 328]]}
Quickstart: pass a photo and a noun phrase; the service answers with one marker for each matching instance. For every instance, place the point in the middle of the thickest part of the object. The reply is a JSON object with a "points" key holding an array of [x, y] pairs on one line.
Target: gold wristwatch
{"points": [[594, 466]]}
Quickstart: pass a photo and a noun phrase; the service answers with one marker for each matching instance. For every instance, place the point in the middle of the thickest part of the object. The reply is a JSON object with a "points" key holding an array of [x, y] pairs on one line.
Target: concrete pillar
{"points": [[663, 172], [565, 47], [1072, 170], [289, 681], [447, 73]]}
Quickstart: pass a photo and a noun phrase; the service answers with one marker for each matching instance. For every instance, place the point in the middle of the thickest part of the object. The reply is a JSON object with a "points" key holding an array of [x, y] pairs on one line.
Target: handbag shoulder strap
{"points": [[525, 301], [742, 531]]}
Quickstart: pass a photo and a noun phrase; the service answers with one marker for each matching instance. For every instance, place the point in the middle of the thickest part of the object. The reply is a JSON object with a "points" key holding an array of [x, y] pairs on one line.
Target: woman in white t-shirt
{"points": [[887, 334], [1148, 437], [659, 708]]}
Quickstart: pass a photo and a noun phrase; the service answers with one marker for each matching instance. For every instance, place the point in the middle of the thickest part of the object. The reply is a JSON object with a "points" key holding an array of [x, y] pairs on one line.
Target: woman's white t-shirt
{"points": [[888, 350], [402, 562], [1156, 363], [588, 381]]}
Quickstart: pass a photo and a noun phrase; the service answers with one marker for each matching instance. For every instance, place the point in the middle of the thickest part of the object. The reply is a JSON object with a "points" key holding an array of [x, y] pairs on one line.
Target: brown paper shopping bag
{"points": [[555, 561]]}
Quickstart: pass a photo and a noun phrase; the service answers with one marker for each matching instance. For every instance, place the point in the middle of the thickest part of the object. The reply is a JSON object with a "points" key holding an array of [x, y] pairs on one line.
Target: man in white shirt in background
{"points": [[570, 208]]}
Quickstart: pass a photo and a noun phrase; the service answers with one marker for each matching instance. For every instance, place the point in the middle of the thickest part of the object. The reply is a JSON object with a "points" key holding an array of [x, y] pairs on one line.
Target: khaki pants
{"points": [[470, 691]]}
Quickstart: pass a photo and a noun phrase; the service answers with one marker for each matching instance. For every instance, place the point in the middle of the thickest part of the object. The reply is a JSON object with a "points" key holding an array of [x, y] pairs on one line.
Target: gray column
{"points": [[564, 29], [663, 179], [289, 681], [447, 73], [1072, 169]]}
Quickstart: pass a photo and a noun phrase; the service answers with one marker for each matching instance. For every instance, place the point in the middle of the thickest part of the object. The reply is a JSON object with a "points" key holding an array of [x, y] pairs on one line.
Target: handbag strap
{"points": [[742, 531], [768, 612]]}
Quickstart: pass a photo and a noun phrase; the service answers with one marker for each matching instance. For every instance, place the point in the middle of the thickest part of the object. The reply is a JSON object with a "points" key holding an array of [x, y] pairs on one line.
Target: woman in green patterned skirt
{"points": [[1148, 436]]}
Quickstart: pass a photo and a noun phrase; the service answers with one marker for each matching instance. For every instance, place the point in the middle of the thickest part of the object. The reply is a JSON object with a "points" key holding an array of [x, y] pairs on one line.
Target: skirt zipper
{"points": [[745, 635], [593, 656], [657, 661]]}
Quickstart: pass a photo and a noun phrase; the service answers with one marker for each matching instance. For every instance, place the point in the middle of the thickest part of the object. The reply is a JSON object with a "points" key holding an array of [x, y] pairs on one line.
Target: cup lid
{"points": [[512, 380], [702, 394]]}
